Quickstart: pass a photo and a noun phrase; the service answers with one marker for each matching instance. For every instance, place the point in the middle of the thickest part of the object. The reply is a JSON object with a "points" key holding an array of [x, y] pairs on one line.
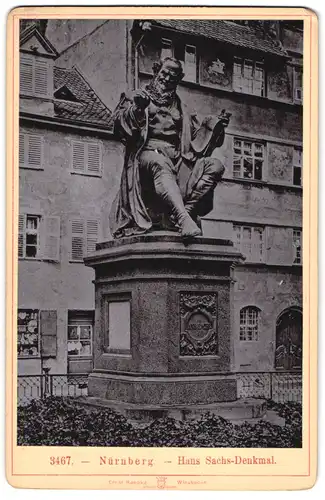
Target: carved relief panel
{"points": [[198, 324]]}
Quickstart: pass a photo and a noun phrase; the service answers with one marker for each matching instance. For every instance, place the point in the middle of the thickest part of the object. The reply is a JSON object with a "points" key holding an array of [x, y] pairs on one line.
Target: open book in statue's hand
{"points": [[210, 134]]}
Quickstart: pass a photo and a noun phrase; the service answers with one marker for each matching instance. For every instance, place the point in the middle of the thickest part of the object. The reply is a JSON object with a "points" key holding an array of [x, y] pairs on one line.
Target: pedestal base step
{"points": [[250, 409]]}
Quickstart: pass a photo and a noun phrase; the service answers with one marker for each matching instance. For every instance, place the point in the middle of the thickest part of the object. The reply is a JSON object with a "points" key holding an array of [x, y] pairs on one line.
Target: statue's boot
{"points": [[181, 218], [187, 227]]}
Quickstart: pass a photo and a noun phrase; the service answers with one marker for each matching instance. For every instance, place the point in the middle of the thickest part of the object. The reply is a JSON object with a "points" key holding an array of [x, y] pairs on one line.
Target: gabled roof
{"points": [[88, 108], [224, 31], [31, 39]]}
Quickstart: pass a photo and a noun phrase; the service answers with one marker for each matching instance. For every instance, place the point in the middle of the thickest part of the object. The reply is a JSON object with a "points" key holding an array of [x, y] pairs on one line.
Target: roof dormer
{"points": [[65, 94], [37, 56]]}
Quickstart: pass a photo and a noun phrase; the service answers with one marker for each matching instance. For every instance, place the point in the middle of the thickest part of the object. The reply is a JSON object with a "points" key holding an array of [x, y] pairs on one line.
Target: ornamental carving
{"points": [[198, 323]]}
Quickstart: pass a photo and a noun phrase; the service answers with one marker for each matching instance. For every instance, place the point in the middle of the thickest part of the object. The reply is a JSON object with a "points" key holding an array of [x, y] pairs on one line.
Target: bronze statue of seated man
{"points": [[168, 166]]}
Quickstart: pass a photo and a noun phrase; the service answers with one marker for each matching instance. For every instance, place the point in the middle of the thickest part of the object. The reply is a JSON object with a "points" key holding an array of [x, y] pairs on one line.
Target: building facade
{"points": [[70, 166]]}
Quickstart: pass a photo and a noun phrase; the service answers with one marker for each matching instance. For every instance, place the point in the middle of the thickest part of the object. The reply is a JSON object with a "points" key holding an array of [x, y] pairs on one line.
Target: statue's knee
{"points": [[216, 167]]}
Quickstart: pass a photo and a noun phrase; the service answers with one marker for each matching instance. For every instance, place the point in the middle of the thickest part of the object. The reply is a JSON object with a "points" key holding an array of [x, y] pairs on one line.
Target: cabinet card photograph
{"points": [[162, 248]]}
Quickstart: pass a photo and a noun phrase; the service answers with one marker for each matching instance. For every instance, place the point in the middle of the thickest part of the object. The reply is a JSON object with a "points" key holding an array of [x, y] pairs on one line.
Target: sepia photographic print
{"points": [[159, 243]]}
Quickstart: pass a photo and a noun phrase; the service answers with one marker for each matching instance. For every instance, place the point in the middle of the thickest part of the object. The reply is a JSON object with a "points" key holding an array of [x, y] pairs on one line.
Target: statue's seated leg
{"points": [[162, 172], [154, 205], [204, 177]]}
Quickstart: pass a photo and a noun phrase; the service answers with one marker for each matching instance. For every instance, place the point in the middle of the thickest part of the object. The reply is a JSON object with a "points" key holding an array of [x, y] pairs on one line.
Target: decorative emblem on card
{"points": [[198, 317], [161, 482]]}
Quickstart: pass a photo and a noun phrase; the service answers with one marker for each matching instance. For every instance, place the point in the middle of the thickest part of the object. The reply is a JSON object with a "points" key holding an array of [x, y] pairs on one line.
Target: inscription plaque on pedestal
{"points": [[198, 323]]}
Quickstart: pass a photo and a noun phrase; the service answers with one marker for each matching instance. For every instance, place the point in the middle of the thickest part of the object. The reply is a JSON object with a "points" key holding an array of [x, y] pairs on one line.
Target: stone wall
{"points": [[55, 191]]}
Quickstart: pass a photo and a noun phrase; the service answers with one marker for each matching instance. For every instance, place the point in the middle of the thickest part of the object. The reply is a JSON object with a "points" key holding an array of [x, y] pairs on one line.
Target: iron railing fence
{"points": [[39, 386], [278, 386], [281, 387]]}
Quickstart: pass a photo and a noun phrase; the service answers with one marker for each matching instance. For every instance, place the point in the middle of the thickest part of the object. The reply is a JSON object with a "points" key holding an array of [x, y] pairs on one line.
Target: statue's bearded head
{"points": [[167, 75]]}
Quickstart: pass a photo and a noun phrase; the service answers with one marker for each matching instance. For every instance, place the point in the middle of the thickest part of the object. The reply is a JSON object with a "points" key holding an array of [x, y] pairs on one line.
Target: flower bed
{"points": [[65, 422]]}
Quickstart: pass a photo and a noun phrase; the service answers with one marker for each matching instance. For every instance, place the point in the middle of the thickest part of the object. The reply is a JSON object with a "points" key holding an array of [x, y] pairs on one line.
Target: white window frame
{"points": [[245, 83], [31, 232], [297, 249], [48, 237], [168, 50], [33, 61], [241, 156], [188, 66], [249, 326], [297, 164], [248, 246], [25, 144], [37, 312], [86, 145]]}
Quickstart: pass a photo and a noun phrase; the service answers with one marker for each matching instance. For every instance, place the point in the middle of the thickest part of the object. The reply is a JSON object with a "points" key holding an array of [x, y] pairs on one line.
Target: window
{"points": [[248, 159], [249, 240], [38, 237], [297, 84], [80, 333], [166, 48], [297, 244], [29, 236], [65, 94], [28, 333], [34, 76], [30, 151], [297, 167], [249, 323], [86, 158], [190, 63], [84, 236], [248, 76]]}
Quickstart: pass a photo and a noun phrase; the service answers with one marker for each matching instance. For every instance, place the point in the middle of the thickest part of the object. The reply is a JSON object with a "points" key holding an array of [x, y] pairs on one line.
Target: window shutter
{"points": [[48, 330], [50, 238], [92, 236], [77, 239], [26, 75], [30, 150], [21, 234], [93, 163], [41, 77], [22, 148], [78, 156], [35, 146]]}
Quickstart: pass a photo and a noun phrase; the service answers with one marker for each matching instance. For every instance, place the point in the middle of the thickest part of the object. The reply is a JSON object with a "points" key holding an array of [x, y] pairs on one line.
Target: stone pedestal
{"points": [[163, 323]]}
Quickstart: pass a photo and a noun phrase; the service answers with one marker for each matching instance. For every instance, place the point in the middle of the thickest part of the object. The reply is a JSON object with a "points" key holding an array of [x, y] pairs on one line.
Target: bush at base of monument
{"points": [[65, 422]]}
